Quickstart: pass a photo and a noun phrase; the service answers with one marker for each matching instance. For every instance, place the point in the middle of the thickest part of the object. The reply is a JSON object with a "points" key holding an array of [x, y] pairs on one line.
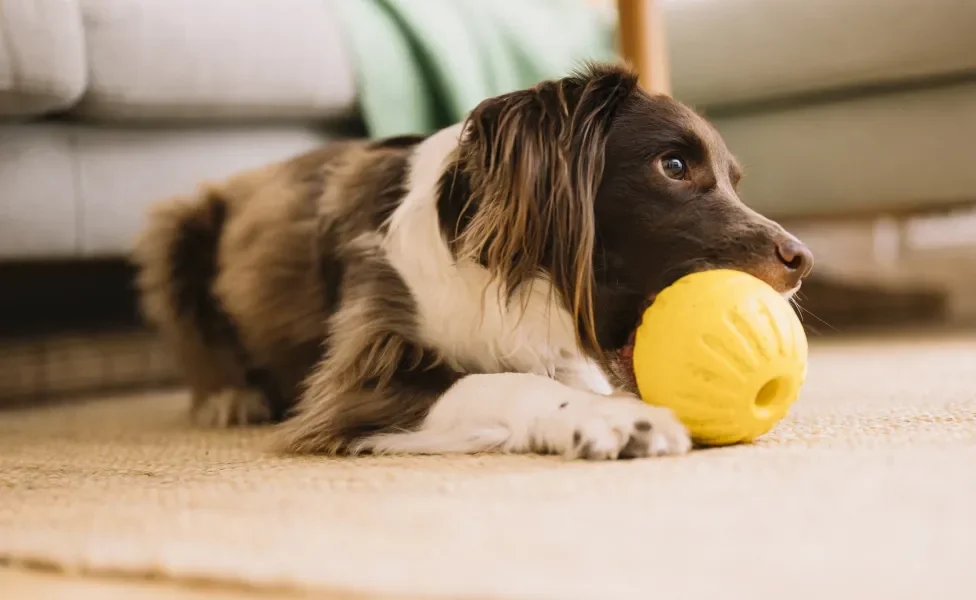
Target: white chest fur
{"points": [[460, 309]]}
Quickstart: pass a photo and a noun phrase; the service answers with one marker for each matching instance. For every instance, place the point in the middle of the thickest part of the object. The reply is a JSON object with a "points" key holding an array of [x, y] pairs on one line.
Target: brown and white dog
{"points": [[471, 291]]}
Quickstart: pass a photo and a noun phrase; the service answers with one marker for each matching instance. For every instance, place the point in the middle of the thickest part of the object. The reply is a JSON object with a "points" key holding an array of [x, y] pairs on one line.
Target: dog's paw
{"points": [[617, 427], [231, 407]]}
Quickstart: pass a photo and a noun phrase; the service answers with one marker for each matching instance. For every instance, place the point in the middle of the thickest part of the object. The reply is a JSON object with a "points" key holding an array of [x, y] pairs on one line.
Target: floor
{"points": [[36, 584], [866, 490]]}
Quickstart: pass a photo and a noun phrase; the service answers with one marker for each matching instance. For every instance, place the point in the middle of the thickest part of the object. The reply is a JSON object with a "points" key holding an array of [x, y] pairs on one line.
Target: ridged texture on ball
{"points": [[723, 350]]}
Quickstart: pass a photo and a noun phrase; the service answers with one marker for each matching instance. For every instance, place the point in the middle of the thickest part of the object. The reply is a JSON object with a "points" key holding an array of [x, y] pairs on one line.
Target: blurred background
{"points": [[855, 121]]}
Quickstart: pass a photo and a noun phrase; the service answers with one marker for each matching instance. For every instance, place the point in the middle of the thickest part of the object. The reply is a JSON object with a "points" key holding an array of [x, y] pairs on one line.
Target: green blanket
{"points": [[424, 64]]}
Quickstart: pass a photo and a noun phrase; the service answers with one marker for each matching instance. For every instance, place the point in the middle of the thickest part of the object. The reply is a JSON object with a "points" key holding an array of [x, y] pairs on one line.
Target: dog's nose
{"points": [[795, 255]]}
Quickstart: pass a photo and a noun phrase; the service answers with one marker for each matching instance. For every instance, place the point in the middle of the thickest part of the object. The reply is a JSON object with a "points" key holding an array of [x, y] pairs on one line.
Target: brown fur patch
{"points": [[177, 258], [376, 377], [249, 304]]}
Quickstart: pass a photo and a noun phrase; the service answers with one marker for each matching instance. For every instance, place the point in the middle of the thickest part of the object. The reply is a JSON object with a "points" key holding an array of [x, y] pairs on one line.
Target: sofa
{"points": [[836, 107], [109, 105]]}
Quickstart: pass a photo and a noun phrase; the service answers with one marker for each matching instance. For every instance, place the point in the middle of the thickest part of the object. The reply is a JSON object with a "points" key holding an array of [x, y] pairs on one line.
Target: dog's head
{"points": [[613, 195]]}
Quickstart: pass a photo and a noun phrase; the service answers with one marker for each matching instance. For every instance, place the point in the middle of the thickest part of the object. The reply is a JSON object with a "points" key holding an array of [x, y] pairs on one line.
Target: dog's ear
{"points": [[534, 160]]}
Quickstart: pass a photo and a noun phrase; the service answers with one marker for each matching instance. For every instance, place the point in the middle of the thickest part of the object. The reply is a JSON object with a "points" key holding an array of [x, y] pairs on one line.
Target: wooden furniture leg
{"points": [[642, 43]]}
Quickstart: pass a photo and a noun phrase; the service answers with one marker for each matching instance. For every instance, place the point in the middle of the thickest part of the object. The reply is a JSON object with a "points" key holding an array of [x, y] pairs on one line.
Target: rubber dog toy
{"points": [[725, 352]]}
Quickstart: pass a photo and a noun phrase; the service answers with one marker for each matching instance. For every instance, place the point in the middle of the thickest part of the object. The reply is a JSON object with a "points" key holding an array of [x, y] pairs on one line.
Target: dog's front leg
{"points": [[519, 413]]}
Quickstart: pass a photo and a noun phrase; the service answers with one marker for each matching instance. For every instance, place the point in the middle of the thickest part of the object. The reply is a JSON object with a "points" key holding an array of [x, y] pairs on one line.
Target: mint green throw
{"points": [[424, 64]]}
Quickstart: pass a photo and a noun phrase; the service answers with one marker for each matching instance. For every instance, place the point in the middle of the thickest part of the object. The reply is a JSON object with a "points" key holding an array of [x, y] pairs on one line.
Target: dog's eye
{"points": [[674, 167]]}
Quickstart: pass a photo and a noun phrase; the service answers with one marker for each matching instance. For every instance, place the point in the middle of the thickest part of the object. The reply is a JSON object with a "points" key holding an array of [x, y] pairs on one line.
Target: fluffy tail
{"points": [[177, 261]]}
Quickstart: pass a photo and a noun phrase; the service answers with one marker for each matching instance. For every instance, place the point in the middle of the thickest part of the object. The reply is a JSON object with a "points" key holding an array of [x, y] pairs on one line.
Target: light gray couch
{"points": [[108, 105], [834, 106]]}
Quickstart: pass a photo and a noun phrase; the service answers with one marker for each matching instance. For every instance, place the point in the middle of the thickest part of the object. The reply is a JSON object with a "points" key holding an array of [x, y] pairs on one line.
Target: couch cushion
{"points": [[734, 51], [219, 59], [896, 152], [159, 164], [38, 211], [73, 191], [42, 56]]}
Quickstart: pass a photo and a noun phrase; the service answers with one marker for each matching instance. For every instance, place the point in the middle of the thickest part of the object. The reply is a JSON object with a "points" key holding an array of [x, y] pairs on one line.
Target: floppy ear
{"points": [[534, 160]]}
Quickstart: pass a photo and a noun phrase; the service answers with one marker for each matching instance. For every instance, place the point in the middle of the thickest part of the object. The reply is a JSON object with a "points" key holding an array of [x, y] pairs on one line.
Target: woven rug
{"points": [[867, 490]]}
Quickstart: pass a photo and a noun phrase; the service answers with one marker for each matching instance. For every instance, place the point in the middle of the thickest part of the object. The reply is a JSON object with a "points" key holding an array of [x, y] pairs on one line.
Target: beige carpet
{"points": [[868, 490]]}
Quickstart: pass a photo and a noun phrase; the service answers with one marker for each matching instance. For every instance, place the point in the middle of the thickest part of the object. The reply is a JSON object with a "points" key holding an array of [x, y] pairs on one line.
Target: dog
{"points": [[474, 290]]}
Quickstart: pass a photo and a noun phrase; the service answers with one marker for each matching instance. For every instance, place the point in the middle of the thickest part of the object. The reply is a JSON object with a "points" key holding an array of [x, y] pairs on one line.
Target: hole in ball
{"points": [[773, 392]]}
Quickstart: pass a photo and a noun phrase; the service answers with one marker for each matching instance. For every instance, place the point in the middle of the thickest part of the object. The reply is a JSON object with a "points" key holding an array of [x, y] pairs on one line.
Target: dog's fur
{"points": [[475, 290]]}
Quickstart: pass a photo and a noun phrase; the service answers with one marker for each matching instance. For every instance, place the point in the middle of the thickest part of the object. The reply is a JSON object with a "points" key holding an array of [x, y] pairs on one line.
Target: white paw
{"points": [[612, 427], [231, 407]]}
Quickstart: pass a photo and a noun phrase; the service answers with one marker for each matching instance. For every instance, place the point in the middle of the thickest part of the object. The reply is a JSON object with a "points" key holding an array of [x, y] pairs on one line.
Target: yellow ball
{"points": [[725, 352]]}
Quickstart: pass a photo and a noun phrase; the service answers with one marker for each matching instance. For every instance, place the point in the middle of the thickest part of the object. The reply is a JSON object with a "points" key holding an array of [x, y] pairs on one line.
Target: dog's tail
{"points": [[177, 260]]}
